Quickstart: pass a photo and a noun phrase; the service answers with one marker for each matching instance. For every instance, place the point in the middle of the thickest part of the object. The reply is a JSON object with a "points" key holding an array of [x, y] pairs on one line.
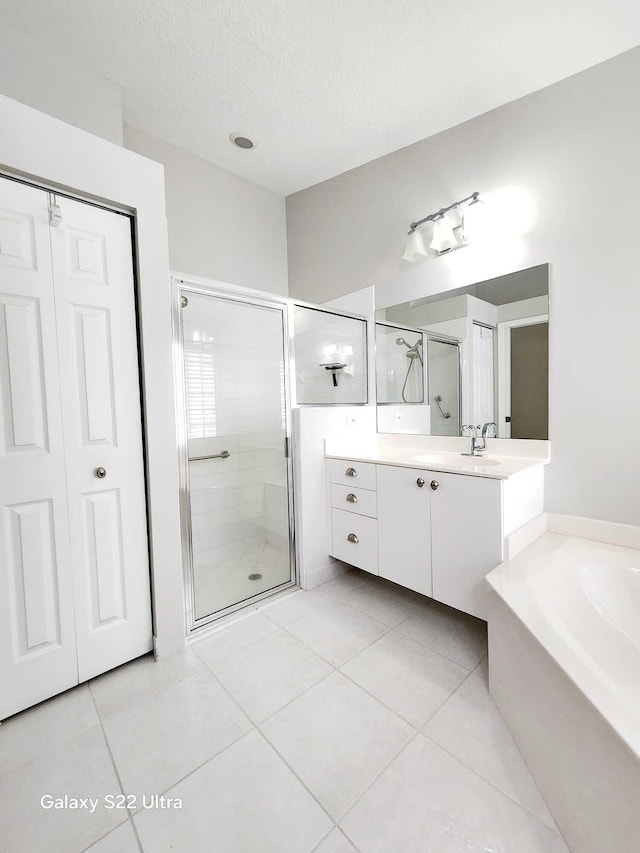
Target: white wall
{"points": [[221, 226], [558, 170], [42, 77]]}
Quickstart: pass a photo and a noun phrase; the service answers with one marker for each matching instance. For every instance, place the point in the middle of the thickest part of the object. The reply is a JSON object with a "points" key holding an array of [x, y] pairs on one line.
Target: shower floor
{"points": [[224, 580]]}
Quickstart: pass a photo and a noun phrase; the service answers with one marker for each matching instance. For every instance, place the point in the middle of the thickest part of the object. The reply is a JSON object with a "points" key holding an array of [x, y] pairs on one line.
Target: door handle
{"points": [[434, 485], [419, 482], [351, 472], [352, 538], [352, 499], [100, 473]]}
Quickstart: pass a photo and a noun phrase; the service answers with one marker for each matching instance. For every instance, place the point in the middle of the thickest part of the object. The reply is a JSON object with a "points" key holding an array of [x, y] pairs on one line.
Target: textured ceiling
{"points": [[322, 85]]}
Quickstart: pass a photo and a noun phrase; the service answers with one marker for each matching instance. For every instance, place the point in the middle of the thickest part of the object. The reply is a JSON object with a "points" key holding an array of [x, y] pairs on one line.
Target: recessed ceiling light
{"points": [[241, 141]]}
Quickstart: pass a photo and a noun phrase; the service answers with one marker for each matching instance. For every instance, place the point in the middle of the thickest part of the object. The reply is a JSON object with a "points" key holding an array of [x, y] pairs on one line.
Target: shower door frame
{"points": [[180, 287]]}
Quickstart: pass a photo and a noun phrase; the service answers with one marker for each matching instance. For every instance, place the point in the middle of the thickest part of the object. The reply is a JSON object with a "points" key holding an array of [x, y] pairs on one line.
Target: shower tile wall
{"points": [[235, 411]]}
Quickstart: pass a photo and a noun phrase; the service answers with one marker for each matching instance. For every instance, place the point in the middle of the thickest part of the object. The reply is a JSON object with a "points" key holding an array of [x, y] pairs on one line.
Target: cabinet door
{"points": [[97, 342], [466, 539], [37, 632], [404, 537]]}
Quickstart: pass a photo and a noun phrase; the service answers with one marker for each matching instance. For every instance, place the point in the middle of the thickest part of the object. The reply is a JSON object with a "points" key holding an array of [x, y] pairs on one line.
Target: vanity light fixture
{"points": [[448, 230]]}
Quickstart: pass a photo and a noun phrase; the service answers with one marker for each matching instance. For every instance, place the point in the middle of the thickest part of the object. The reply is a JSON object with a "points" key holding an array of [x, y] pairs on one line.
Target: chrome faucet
{"points": [[485, 430], [476, 447]]}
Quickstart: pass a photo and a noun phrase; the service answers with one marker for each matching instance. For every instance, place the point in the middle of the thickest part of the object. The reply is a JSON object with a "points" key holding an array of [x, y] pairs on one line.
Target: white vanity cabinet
{"points": [[354, 526], [437, 533], [404, 527], [466, 539]]}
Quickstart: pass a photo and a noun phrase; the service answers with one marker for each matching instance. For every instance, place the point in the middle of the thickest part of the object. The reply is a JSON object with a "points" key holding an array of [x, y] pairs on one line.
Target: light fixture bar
{"points": [[439, 213]]}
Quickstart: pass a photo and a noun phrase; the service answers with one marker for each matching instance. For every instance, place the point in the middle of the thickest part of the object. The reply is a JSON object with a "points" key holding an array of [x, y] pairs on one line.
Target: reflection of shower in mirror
{"points": [[412, 353], [438, 399]]}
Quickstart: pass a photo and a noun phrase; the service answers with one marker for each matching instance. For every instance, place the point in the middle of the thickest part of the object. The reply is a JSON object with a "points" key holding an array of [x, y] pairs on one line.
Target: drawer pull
{"points": [[352, 499], [434, 484], [419, 482], [351, 472], [352, 538]]}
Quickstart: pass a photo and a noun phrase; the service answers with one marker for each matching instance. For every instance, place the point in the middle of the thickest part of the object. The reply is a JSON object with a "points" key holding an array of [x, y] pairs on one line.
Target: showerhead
{"points": [[401, 341]]}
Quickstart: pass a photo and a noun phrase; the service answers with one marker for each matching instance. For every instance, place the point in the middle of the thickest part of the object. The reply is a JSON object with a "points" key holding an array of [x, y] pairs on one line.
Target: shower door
{"points": [[237, 489], [443, 382]]}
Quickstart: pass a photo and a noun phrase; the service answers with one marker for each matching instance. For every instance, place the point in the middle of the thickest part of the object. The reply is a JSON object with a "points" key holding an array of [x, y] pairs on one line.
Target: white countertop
{"points": [[491, 466]]}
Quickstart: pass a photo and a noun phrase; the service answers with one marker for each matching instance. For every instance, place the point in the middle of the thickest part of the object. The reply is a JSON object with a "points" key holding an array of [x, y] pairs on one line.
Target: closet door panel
{"points": [[37, 632], [93, 271]]}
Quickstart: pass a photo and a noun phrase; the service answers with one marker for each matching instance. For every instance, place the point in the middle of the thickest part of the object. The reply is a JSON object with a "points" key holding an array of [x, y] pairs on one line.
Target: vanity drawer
{"points": [[363, 551], [347, 473], [350, 499]]}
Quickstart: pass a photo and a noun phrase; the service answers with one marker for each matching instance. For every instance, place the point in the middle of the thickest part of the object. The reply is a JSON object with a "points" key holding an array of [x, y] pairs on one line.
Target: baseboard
{"points": [[327, 573], [166, 646]]}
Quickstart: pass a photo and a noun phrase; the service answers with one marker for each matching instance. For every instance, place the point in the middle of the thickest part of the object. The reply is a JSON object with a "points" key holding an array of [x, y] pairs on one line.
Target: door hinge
{"points": [[286, 447]]}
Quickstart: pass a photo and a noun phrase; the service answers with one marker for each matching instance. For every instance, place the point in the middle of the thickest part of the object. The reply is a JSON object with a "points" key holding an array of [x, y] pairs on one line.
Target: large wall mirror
{"points": [[478, 355]]}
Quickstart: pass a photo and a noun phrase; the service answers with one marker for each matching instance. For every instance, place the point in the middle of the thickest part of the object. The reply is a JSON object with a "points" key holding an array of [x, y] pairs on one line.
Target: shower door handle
{"points": [[224, 454]]}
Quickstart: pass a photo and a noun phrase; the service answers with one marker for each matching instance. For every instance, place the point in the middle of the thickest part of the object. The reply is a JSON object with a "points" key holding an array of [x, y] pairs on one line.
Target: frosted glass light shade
{"points": [[443, 235], [414, 247]]}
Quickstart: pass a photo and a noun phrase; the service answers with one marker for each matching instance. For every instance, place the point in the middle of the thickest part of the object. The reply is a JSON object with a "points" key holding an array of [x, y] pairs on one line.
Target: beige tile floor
{"points": [[352, 717]]}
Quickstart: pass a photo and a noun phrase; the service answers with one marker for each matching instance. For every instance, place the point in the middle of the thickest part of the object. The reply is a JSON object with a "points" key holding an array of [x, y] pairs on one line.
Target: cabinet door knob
{"points": [[419, 482], [100, 473], [434, 484], [352, 538], [351, 472], [352, 499]]}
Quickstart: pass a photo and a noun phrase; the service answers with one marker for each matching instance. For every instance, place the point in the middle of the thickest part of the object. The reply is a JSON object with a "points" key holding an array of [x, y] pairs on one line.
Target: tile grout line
{"points": [[304, 785], [342, 832], [49, 748], [162, 793], [154, 692], [334, 669], [413, 607], [404, 747], [346, 675], [488, 782], [431, 648], [368, 692], [115, 769], [476, 772]]}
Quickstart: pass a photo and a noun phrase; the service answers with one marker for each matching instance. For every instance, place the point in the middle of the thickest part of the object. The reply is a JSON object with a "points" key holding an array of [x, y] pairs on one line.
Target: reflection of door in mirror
{"points": [[483, 373], [529, 381], [443, 379]]}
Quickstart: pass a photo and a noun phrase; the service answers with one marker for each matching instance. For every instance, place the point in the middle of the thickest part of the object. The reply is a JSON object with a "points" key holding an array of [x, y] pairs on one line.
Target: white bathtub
{"points": [[564, 669]]}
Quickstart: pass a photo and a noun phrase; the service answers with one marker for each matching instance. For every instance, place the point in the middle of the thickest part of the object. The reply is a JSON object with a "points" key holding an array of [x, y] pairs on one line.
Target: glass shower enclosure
{"points": [[237, 496]]}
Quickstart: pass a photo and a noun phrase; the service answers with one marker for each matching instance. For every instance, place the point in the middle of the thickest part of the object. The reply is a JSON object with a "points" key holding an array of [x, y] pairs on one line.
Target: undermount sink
{"points": [[454, 459]]}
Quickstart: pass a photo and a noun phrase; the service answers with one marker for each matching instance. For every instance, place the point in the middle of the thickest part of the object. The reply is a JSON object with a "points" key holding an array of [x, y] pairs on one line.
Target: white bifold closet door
{"points": [[74, 567]]}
